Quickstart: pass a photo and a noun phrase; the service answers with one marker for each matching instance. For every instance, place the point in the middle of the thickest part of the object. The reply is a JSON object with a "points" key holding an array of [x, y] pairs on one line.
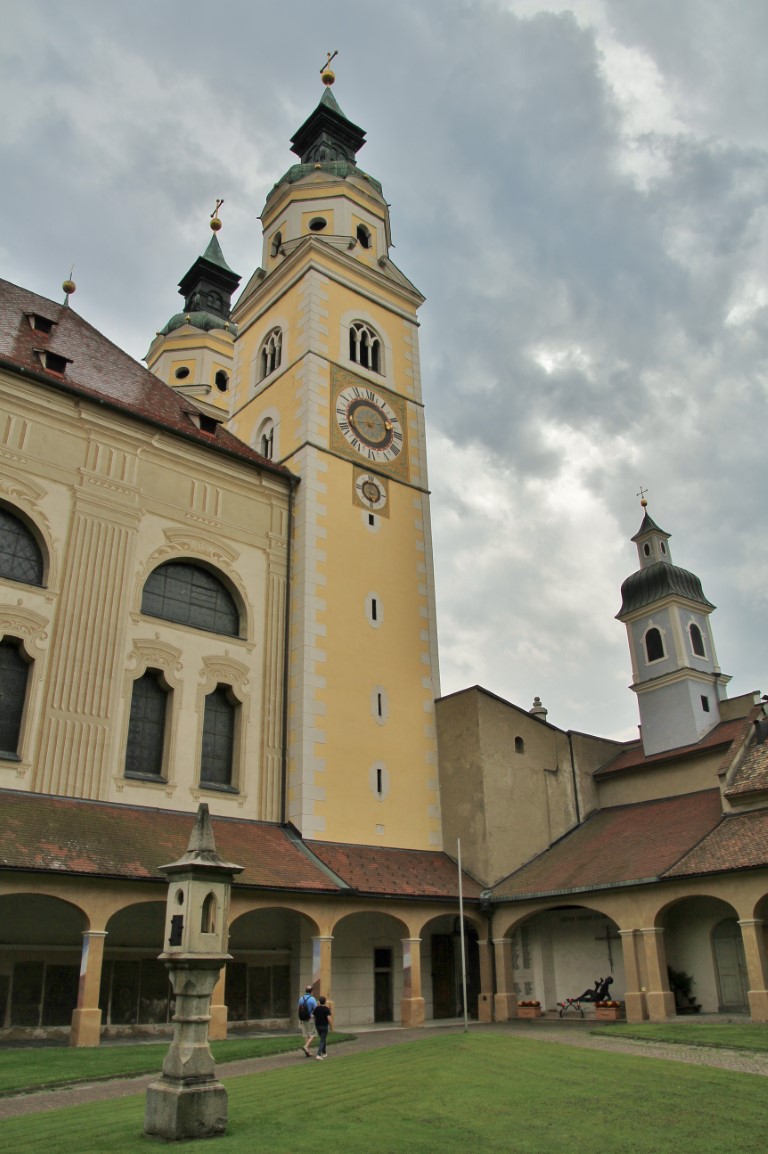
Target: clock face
{"points": [[371, 491], [369, 424]]}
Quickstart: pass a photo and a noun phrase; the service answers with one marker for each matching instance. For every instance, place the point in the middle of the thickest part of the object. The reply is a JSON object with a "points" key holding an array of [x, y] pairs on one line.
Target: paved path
{"points": [[560, 1034]]}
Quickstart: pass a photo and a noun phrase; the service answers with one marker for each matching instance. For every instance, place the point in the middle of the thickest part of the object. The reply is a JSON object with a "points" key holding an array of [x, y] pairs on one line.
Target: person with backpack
{"points": [[322, 1016], [306, 1009]]}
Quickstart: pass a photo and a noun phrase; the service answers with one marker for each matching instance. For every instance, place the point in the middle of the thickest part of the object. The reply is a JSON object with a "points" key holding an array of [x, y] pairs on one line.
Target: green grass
{"points": [[456, 1094], [34, 1069], [728, 1036]]}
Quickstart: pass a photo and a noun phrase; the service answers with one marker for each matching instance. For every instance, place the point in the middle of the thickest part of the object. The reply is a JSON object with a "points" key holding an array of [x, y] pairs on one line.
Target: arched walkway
{"points": [[38, 983]]}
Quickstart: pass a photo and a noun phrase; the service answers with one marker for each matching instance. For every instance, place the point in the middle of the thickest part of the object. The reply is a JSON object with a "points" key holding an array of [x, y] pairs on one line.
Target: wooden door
{"points": [[443, 977], [730, 967]]}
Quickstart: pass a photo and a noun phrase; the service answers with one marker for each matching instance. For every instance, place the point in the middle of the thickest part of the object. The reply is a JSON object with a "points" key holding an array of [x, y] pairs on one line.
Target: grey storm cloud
{"points": [[579, 190]]}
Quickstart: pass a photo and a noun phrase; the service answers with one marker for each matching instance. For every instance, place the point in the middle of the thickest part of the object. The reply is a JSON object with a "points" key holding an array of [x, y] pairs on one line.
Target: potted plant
{"points": [[529, 1008], [609, 1010]]}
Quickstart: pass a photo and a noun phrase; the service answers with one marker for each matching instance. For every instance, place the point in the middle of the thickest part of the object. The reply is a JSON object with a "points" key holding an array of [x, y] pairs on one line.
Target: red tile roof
{"points": [[751, 776], [619, 846], [633, 756], [395, 872], [99, 370], [103, 839], [739, 842]]}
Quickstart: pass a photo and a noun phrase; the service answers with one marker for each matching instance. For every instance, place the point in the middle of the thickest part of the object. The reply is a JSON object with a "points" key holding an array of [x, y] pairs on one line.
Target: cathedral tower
{"points": [[674, 666], [327, 383]]}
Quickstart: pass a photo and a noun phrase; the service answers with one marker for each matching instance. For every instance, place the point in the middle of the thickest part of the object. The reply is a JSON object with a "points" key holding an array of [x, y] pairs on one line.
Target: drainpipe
{"points": [[286, 656]]}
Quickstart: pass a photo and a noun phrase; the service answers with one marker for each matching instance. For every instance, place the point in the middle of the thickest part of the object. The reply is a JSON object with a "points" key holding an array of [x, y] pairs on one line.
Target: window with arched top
{"points": [[271, 353], [221, 381], [365, 347], [654, 644], [218, 749], [189, 594], [363, 236], [208, 915], [20, 556], [147, 727], [277, 244], [697, 641], [519, 745], [266, 445], [14, 678]]}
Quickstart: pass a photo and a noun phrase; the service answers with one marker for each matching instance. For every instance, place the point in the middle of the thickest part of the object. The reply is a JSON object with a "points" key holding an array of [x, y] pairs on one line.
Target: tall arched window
{"points": [[697, 641], [20, 555], [271, 353], [219, 723], [654, 645], [188, 594], [14, 674], [365, 346], [519, 745], [147, 726], [363, 236]]}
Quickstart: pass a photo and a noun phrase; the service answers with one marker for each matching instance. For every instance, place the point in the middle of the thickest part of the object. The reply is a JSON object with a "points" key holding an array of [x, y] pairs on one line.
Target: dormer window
{"points": [[53, 362], [207, 424], [40, 324]]}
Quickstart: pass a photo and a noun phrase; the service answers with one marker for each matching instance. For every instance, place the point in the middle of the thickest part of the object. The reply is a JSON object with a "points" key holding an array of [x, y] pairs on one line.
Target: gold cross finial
{"points": [[641, 495], [215, 222], [326, 74]]}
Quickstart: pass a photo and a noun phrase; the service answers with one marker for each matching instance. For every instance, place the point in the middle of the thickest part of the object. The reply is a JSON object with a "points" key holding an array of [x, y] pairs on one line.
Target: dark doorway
{"points": [[443, 977], [383, 1008]]}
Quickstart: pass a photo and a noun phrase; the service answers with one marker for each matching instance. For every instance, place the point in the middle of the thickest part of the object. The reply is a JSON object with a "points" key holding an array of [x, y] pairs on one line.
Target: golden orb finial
{"points": [[327, 75], [641, 494], [69, 285], [215, 222]]}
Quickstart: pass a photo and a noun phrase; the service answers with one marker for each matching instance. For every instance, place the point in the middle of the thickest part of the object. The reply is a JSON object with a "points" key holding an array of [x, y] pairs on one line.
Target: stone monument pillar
{"points": [[187, 1101]]}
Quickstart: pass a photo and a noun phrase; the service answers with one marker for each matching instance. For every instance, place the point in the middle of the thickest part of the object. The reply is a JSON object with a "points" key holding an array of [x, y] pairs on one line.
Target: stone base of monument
{"points": [[176, 1111]]}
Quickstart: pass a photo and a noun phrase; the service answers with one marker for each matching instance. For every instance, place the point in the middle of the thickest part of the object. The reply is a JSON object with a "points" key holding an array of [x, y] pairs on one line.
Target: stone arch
{"points": [[689, 922], [562, 951], [135, 989], [272, 950], [441, 965], [39, 976], [368, 980]]}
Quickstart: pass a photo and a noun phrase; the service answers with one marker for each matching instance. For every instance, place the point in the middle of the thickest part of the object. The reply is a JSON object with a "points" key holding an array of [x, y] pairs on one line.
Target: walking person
{"points": [[307, 1006], [322, 1016]]}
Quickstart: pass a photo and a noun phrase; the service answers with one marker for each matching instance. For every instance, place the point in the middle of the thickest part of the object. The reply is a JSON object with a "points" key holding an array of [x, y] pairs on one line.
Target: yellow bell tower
{"points": [[327, 382]]}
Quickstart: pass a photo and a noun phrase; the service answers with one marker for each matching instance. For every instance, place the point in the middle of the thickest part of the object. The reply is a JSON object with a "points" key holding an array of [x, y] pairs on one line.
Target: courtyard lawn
{"points": [[728, 1036], [36, 1068], [456, 1094]]}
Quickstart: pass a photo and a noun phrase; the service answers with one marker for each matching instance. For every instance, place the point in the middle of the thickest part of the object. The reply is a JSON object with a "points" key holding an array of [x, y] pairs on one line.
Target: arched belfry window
{"points": [[365, 347], [265, 443], [188, 594], [271, 353], [697, 641], [654, 645], [14, 675], [363, 236], [20, 555]]}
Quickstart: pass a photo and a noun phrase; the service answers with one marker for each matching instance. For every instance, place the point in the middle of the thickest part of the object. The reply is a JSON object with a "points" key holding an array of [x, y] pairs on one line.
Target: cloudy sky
{"points": [[581, 192]]}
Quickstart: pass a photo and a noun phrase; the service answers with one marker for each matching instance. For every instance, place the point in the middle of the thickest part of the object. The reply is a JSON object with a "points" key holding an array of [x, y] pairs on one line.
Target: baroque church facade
{"points": [[216, 585]]}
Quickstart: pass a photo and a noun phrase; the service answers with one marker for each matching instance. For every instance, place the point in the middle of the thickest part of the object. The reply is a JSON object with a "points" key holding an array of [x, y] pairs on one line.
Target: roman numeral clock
{"points": [[368, 425]]}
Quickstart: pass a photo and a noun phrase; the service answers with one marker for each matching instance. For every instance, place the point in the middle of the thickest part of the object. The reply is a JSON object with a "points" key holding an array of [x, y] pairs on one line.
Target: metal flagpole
{"points": [[463, 951]]}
